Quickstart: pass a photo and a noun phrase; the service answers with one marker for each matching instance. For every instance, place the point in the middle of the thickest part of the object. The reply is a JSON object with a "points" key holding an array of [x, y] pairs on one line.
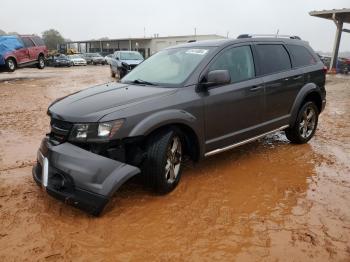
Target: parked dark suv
{"points": [[195, 100]]}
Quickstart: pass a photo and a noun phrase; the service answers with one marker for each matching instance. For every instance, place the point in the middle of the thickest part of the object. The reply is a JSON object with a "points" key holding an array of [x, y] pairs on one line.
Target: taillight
{"points": [[325, 69]]}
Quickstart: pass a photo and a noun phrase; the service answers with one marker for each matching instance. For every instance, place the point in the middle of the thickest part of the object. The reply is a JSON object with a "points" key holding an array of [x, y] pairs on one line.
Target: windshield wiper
{"points": [[142, 82]]}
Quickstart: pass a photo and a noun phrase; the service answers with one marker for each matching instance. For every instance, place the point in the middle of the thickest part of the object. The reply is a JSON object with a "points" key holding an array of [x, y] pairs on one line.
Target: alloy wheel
{"points": [[41, 62], [11, 64], [307, 122], [174, 156]]}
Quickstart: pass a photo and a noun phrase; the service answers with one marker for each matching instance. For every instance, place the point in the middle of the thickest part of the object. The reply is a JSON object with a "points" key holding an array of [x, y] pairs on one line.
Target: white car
{"points": [[108, 58], [77, 60]]}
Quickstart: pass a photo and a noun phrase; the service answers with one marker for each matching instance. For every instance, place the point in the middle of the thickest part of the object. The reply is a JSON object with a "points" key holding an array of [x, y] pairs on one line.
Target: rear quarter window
{"points": [[38, 41], [273, 58], [301, 56]]}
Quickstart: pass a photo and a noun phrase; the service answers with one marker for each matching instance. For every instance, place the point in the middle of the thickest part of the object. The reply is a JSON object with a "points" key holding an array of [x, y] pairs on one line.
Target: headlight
{"points": [[108, 129], [81, 131], [95, 131]]}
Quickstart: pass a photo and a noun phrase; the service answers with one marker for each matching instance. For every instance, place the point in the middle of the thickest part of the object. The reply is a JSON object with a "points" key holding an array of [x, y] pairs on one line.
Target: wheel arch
{"points": [[168, 119], [12, 57], [309, 92]]}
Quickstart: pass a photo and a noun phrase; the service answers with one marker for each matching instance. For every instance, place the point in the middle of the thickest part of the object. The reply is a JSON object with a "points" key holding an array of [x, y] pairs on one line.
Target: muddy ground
{"points": [[265, 201]]}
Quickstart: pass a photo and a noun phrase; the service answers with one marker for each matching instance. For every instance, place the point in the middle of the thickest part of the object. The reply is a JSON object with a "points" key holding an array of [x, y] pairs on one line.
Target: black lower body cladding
{"points": [[79, 177]]}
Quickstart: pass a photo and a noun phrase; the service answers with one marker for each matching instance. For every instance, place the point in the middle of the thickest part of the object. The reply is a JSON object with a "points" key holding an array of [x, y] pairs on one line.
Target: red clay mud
{"points": [[265, 201]]}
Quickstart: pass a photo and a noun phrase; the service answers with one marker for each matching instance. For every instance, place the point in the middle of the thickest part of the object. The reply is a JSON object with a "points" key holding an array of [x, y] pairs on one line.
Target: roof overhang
{"points": [[334, 14]]}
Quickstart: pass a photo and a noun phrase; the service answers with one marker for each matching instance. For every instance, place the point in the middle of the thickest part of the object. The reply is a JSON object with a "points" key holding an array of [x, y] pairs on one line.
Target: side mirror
{"points": [[117, 58], [215, 78]]}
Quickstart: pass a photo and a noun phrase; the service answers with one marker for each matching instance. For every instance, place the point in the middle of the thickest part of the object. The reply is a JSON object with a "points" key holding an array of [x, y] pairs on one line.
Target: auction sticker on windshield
{"points": [[197, 51]]}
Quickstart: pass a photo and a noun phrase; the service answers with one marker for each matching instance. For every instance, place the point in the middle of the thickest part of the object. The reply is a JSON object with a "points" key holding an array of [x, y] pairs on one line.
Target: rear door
{"points": [[281, 82], [234, 111], [21, 54]]}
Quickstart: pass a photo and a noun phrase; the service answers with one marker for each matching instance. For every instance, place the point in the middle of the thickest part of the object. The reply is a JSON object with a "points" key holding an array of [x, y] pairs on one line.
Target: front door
{"points": [[22, 55], [31, 49], [234, 111]]}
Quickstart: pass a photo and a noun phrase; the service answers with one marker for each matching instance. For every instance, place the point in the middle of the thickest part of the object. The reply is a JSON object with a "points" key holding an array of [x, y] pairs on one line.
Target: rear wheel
{"points": [[163, 166], [305, 125], [10, 64], [41, 62]]}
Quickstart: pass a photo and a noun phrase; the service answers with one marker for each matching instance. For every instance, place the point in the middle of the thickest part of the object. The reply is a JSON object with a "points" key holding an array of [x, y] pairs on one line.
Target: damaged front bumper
{"points": [[79, 177]]}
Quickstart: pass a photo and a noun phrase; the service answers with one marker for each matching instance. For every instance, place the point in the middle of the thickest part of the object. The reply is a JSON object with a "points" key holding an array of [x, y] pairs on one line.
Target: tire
{"points": [[121, 73], [112, 73], [305, 125], [41, 62], [10, 64], [162, 167]]}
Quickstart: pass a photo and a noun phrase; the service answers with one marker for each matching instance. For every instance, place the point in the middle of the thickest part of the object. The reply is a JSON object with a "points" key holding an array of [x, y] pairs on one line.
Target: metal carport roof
{"points": [[339, 17]]}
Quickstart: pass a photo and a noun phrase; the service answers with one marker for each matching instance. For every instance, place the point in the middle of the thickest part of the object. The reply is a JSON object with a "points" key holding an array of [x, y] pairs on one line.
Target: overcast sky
{"points": [[82, 19]]}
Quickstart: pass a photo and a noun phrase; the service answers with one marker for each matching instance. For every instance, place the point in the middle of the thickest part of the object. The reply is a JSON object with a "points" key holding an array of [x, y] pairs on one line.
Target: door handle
{"points": [[297, 77], [256, 88]]}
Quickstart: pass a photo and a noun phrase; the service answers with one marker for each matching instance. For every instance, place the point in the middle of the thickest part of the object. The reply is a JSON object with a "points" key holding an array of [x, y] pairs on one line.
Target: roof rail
{"points": [[268, 35]]}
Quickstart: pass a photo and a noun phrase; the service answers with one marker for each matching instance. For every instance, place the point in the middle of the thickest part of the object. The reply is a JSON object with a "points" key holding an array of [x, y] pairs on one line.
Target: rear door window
{"points": [[273, 58], [301, 56], [238, 61]]}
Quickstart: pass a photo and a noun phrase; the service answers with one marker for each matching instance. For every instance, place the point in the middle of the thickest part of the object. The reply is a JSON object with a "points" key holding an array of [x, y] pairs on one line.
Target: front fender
{"points": [[304, 91], [162, 118]]}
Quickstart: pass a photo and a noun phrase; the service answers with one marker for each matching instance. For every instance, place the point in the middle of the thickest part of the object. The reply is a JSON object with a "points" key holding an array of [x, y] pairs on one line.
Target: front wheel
{"points": [[121, 73], [41, 62], [10, 64], [112, 72], [305, 125], [163, 166]]}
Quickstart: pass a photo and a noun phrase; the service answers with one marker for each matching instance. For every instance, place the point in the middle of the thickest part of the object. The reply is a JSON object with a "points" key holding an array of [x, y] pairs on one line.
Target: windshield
{"points": [[74, 56], [131, 56], [171, 66]]}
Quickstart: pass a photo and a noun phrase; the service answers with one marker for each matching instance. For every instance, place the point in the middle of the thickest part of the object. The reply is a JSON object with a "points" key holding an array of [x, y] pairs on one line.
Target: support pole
{"points": [[339, 24]]}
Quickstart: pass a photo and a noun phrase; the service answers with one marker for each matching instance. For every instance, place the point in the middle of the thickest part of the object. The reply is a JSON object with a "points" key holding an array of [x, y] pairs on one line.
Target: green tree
{"points": [[51, 38]]}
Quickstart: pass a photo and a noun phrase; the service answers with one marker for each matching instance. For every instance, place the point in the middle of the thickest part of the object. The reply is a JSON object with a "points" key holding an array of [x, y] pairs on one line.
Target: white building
{"points": [[147, 46]]}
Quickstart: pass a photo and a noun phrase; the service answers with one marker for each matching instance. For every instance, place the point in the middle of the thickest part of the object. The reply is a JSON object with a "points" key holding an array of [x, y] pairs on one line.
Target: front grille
{"points": [[60, 130], [131, 67]]}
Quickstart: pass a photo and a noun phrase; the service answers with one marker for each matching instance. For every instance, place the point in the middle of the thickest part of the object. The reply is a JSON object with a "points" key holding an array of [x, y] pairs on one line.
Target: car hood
{"points": [[132, 62], [91, 104]]}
